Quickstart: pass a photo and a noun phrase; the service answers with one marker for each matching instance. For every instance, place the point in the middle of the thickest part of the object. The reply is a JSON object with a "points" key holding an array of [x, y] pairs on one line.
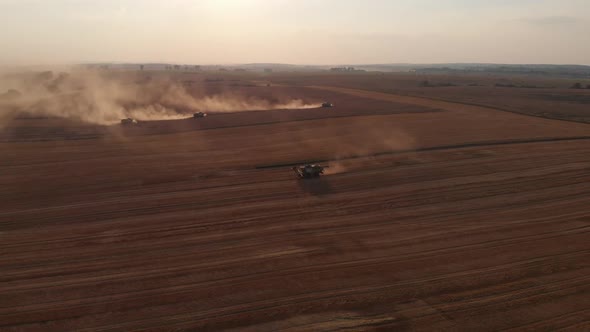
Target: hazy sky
{"points": [[295, 31]]}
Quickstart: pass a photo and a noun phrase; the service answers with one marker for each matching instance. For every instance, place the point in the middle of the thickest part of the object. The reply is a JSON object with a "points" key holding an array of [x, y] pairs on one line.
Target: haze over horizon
{"points": [[35, 32]]}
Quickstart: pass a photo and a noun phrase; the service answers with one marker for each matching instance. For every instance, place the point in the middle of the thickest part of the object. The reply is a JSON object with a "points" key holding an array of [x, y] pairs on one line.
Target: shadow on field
{"points": [[317, 187]]}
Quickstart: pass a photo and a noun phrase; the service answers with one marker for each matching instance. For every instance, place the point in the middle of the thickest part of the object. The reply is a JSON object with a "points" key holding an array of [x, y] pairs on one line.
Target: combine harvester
{"points": [[327, 104], [128, 122], [309, 171], [199, 115]]}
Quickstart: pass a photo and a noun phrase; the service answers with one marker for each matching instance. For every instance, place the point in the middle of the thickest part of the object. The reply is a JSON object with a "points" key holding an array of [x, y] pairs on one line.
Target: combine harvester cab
{"points": [[309, 171]]}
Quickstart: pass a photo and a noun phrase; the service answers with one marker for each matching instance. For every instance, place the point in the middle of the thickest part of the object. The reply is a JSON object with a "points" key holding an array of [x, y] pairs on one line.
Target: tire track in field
{"points": [[142, 298], [180, 289], [303, 299], [473, 231], [406, 196]]}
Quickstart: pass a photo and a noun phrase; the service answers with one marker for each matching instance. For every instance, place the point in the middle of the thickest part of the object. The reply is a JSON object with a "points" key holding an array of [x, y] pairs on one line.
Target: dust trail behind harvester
{"points": [[356, 152], [336, 167], [94, 97]]}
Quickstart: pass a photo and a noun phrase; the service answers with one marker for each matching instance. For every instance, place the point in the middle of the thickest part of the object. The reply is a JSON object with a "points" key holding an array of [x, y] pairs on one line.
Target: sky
{"points": [[40, 32]]}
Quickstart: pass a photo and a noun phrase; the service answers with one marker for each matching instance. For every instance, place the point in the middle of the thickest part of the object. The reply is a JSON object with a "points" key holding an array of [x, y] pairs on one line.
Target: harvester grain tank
{"points": [[309, 171]]}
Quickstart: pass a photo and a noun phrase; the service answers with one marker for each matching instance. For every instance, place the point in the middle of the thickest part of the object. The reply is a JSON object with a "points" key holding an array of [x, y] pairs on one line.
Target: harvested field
{"points": [[433, 216], [537, 96]]}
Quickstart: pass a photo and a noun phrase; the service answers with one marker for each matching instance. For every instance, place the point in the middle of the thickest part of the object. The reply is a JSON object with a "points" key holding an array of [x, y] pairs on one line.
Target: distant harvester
{"points": [[128, 122], [199, 115], [327, 104]]}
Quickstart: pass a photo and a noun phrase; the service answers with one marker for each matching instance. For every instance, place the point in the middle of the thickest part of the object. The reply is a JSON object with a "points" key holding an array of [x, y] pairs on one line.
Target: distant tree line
{"points": [[184, 68], [525, 86], [346, 69]]}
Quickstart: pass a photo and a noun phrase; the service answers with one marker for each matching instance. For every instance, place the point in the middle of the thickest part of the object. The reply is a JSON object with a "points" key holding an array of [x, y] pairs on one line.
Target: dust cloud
{"points": [[99, 98], [362, 147], [336, 167]]}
